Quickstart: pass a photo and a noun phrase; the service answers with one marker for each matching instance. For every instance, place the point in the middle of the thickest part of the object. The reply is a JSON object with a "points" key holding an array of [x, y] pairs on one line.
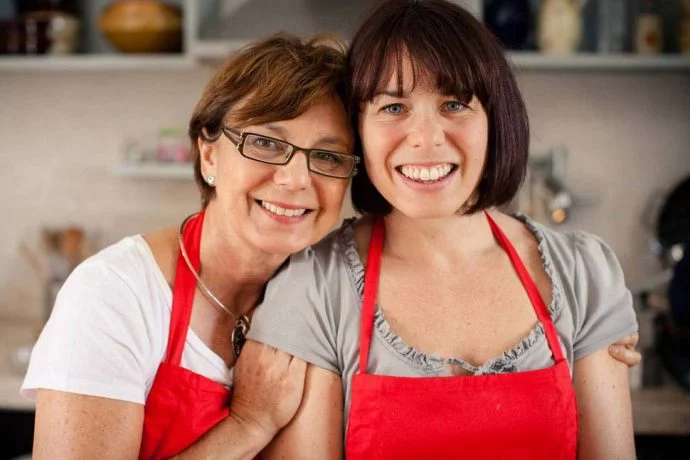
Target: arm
{"points": [[316, 432], [267, 391], [605, 409], [74, 426]]}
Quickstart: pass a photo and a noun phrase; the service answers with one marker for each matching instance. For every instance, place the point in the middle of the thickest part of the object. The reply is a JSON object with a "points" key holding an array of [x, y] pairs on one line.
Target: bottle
{"points": [[559, 29], [648, 29], [613, 28]]}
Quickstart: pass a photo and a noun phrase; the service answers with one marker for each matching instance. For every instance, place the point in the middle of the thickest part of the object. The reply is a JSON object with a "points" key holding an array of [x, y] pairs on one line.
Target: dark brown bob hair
{"points": [[450, 48], [283, 77]]}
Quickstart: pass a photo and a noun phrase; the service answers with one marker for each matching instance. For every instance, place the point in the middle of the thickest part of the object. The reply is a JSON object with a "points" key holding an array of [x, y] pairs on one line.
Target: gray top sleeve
{"points": [[603, 312], [297, 315]]}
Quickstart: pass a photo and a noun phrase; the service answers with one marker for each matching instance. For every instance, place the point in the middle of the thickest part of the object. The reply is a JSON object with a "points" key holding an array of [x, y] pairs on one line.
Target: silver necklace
{"points": [[239, 332]]}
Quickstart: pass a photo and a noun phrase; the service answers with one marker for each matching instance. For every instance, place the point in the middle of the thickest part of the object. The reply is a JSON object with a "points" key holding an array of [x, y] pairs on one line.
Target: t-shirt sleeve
{"points": [[95, 341], [297, 314], [604, 311]]}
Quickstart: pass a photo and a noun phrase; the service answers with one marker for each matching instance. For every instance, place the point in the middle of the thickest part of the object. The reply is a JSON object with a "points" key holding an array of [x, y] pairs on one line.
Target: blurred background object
{"points": [[560, 26], [649, 30], [142, 26], [41, 27], [510, 20], [685, 28]]}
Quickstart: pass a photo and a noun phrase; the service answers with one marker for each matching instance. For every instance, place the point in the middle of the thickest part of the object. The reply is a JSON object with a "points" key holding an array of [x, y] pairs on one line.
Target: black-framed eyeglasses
{"points": [[278, 152]]}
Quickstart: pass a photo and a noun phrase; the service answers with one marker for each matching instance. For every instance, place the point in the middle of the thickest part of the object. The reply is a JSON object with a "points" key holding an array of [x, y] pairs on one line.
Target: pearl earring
{"points": [[210, 180]]}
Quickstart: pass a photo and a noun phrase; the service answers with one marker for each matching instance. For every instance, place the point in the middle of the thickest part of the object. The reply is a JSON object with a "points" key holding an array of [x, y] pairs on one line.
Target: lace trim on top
{"points": [[434, 362]]}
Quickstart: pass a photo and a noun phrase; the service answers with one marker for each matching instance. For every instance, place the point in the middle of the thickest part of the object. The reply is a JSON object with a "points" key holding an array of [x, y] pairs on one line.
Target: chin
{"points": [[429, 210]]}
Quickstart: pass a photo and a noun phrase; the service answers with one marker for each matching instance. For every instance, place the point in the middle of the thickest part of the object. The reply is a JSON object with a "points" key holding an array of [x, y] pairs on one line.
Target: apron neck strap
{"points": [[535, 297], [184, 289], [371, 284], [371, 279]]}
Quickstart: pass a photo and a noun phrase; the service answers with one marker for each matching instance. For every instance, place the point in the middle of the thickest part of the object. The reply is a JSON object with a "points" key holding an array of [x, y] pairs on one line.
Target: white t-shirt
{"points": [[108, 330]]}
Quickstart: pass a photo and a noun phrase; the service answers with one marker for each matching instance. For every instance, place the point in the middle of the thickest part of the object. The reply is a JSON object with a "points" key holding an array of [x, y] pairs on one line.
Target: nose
{"points": [[426, 131], [295, 175]]}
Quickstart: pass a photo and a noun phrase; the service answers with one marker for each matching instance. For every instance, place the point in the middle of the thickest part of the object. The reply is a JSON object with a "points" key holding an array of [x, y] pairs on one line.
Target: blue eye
{"points": [[393, 109], [453, 106]]}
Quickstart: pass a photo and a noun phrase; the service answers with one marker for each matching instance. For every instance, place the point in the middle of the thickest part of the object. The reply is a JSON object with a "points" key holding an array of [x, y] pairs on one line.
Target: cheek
{"points": [[332, 194]]}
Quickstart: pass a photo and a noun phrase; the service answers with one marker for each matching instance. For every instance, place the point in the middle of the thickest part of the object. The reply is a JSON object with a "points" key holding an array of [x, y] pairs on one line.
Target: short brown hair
{"points": [[450, 48], [284, 77]]}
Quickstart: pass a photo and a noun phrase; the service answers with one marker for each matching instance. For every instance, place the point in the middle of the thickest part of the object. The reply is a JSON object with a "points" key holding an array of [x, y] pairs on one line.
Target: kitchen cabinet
{"points": [[214, 28]]}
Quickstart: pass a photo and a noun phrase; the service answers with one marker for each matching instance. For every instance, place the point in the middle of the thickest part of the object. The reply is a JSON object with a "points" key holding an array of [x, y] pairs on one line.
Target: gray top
{"points": [[311, 310]]}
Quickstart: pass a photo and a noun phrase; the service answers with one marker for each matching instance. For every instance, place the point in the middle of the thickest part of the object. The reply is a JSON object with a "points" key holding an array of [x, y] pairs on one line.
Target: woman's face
{"points": [[424, 151], [280, 209]]}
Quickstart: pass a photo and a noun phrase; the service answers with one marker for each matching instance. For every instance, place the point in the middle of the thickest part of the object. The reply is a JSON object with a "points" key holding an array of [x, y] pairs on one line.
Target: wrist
{"points": [[257, 432]]}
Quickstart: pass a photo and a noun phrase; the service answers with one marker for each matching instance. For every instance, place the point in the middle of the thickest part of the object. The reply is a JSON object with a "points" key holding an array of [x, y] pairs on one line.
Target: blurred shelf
{"points": [[216, 50], [182, 171], [661, 411], [591, 61], [96, 62]]}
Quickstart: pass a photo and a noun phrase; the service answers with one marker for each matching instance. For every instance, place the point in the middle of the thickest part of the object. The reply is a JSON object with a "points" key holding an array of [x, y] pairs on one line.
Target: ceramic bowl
{"points": [[142, 26]]}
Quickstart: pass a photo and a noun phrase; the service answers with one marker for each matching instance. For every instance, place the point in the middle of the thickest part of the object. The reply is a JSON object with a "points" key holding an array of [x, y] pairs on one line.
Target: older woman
{"points": [[138, 356], [440, 326]]}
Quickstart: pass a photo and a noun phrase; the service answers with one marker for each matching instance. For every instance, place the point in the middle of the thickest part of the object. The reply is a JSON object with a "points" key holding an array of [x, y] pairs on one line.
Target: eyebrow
{"points": [[334, 141]]}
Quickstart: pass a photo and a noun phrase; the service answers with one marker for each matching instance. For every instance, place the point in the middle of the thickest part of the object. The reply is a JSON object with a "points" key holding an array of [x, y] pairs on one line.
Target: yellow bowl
{"points": [[142, 26]]}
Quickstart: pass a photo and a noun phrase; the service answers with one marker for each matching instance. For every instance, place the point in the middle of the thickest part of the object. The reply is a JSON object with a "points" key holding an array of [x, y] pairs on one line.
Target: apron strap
{"points": [[537, 302], [371, 283], [184, 290]]}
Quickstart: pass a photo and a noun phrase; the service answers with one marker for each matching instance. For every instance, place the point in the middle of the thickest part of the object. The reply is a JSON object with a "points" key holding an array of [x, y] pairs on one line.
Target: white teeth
{"points": [[283, 211], [426, 174]]}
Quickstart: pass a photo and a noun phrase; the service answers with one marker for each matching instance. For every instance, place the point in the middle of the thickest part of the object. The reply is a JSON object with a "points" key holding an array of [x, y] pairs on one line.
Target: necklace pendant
{"points": [[239, 334]]}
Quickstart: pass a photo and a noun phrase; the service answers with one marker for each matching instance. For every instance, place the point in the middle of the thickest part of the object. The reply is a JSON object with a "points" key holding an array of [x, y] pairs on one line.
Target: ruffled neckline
{"points": [[433, 363]]}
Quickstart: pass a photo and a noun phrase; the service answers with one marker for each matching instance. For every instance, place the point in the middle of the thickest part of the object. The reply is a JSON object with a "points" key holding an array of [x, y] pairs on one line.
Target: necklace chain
{"points": [[242, 322], [202, 286]]}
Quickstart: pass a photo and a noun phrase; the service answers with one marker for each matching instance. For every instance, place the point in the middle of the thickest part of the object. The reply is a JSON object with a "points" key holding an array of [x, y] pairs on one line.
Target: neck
{"points": [[436, 241], [234, 270]]}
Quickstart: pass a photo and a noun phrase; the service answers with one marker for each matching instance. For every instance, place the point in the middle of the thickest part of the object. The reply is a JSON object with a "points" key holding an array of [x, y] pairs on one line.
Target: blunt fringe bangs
{"points": [[281, 77], [451, 50]]}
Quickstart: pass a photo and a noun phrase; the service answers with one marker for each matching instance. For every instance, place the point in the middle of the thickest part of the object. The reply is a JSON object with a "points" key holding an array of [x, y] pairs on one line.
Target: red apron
{"points": [[523, 415], [182, 405]]}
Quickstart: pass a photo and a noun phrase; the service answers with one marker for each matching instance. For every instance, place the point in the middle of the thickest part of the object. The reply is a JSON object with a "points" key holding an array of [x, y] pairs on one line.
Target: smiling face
{"points": [[280, 209], [424, 150]]}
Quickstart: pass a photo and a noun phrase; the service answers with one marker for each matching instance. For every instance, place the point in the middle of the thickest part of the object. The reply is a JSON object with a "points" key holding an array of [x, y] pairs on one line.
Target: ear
{"points": [[207, 155]]}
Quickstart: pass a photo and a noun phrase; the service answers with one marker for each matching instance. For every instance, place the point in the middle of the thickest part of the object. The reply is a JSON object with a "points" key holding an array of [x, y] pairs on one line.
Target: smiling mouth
{"points": [[281, 211], [427, 174]]}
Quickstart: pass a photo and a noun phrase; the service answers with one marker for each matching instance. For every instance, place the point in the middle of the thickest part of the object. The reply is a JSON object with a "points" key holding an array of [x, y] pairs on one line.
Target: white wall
{"points": [[628, 134]]}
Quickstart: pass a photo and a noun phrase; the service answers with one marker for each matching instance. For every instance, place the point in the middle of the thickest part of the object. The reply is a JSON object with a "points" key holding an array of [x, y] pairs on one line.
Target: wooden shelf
{"points": [[97, 62], [179, 171]]}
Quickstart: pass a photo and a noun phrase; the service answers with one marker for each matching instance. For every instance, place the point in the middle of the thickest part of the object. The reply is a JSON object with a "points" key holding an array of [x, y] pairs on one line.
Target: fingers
{"points": [[629, 341], [621, 353]]}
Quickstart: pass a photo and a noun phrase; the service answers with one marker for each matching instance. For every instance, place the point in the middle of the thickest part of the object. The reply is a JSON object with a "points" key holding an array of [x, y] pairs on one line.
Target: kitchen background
{"points": [[92, 144]]}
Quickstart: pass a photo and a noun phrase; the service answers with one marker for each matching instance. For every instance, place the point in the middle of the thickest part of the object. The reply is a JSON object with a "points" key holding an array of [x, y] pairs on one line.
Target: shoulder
{"points": [[328, 255], [125, 264]]}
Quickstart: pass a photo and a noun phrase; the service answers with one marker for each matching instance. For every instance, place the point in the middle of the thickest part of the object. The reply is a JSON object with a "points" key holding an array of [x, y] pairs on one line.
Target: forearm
{"points": [[230, 439]]}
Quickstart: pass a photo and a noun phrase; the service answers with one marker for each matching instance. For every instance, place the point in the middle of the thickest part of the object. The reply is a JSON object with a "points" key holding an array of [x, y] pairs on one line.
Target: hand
{"points": [[624, 350], [268, 387]]}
